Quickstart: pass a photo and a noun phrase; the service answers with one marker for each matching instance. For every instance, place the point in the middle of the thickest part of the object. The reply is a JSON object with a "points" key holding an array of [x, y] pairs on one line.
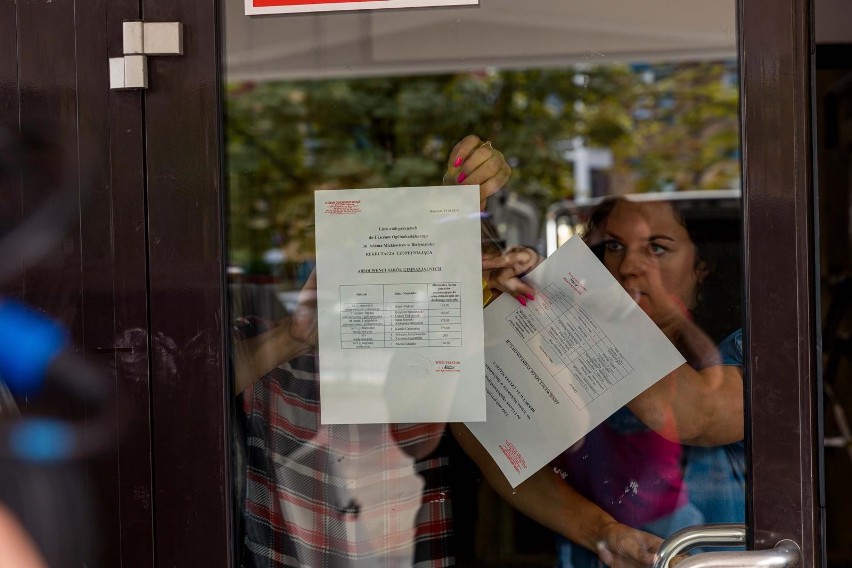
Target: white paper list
{"points": [[399, 301]]}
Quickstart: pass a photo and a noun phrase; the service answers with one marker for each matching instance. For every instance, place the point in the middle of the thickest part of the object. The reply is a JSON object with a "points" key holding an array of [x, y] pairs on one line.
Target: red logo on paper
{"points": [[513, 455], [343, 207], [577, 284], [447, 366]]}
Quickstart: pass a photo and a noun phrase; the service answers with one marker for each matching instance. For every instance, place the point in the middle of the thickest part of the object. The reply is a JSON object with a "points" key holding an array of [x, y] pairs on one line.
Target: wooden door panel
{"points": [[54, 84], [190, 405]]}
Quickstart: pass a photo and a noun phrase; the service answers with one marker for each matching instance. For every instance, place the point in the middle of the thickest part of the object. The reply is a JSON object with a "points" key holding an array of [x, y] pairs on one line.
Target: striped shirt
{"points": [[336, 495]]}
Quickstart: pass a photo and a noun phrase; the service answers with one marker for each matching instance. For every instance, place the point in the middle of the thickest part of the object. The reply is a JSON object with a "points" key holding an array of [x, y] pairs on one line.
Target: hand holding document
{"points": [[399, 298], [560, 366]]}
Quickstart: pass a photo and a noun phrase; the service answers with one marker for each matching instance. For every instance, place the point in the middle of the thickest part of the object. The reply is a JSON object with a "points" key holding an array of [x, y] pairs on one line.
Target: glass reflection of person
{"points": [[649, 248], [304, 483], [662, 261], [631, 465], [335, 495], [545, 497], [701, 404]]}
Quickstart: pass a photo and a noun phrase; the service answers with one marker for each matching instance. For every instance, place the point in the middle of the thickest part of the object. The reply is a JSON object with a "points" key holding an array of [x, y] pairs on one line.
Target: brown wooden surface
{"points": [[780, 261], [10, 204], [128, 259], [48, 110], [47, 82], [53, 81], [190, 405], [97, 272]]}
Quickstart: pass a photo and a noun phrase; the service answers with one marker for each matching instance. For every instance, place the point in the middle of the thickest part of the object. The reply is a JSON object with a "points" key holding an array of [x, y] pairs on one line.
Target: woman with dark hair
{"points": [[634, 464], [674, 456]]}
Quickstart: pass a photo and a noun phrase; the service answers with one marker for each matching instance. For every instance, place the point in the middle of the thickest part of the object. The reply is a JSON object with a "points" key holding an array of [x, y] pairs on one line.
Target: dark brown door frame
{"points": [[191, 397], [783, 434]]}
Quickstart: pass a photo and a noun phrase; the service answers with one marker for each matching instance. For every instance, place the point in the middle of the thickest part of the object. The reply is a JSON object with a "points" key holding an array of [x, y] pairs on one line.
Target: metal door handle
{"points": [[786, 553]]}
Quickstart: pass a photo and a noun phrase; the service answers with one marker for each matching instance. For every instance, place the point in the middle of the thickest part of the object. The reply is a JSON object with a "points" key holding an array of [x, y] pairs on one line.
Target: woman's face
{"points": [[648, 250]]}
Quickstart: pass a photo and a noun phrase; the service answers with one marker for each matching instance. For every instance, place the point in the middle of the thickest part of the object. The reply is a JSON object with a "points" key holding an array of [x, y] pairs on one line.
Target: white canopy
{"points": [[497, 33]]}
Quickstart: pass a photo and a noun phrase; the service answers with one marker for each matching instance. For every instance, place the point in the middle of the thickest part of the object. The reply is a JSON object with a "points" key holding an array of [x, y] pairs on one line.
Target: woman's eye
{"points": [[657, 250], [613, 246]]}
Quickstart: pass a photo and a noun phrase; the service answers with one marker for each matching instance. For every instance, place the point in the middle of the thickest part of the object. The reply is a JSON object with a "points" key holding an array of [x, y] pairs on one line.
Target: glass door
{"points": [[628, 139], [668, 142]]}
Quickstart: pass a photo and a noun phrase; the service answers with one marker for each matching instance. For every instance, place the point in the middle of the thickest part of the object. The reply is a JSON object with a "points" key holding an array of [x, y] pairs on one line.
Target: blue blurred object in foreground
{"points": [[28, 344], [42, 440]]}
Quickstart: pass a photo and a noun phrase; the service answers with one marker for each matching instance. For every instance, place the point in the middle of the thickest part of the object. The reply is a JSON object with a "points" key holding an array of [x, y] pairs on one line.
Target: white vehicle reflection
{"points": [[565, 218]]}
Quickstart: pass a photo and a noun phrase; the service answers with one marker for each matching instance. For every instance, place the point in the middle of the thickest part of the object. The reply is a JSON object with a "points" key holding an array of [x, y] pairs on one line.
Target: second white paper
{"points": [[560, 366]]}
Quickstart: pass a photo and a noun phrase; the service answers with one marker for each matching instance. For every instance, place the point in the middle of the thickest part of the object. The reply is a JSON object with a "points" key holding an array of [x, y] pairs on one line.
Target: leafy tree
{"points": [[668, 126]]}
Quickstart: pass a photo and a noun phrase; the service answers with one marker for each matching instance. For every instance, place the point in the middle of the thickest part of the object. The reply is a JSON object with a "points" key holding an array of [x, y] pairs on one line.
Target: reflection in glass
{"points": [[661, 135], [677, 267]]}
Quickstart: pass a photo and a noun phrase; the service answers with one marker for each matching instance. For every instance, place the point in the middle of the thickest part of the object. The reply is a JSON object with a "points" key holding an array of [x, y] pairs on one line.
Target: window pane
{"points": [[619, 123]]}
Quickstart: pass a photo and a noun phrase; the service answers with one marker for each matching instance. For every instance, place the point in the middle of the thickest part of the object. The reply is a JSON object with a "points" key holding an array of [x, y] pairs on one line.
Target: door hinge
{"points": [[141, 39]]}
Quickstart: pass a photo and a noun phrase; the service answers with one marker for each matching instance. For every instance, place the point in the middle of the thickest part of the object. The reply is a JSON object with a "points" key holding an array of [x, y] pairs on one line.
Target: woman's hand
{"points": [[504, 272], [621, 546], [474, 162], [303, 322], [294, 336]]}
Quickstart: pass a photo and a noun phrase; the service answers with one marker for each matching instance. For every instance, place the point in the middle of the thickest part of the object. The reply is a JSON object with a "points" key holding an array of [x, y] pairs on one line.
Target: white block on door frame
{"points": [[133, 38], [116, 73], [163, 38], [135, 72]]}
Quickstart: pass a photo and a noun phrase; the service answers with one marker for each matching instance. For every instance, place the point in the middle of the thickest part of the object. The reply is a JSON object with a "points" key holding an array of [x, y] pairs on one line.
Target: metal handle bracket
{"points": [[786, 553]]}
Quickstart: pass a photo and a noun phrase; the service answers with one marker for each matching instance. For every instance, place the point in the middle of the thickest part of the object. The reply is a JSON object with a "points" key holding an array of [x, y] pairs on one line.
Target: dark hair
{"points": [[714, 227]]}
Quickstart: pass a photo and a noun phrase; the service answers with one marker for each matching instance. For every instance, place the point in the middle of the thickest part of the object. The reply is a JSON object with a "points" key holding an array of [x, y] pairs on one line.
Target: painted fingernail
{"points": [[529, 296], [462, 177], [522, 300], [458, 162]]}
